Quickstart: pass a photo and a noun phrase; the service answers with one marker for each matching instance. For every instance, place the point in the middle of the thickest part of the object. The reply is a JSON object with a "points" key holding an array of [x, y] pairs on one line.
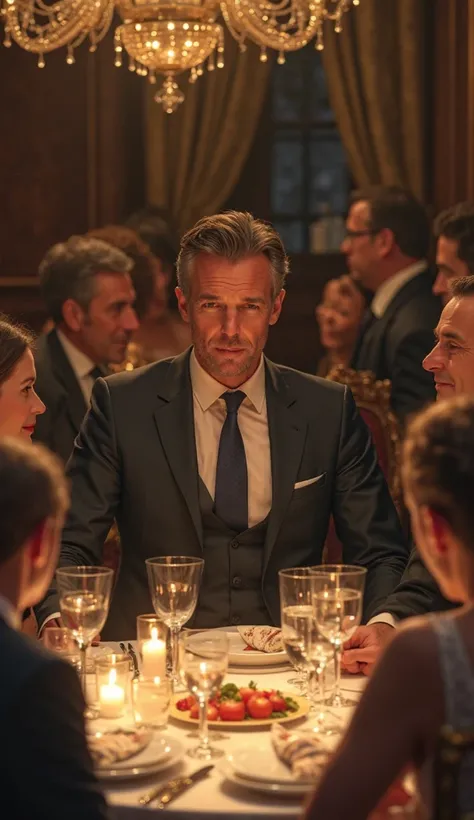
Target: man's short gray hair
{"points": [[69, 269], [232, 235]]}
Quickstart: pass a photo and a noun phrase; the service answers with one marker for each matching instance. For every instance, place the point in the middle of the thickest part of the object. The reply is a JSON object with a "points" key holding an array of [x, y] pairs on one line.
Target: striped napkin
{"points": [[306, 755]]}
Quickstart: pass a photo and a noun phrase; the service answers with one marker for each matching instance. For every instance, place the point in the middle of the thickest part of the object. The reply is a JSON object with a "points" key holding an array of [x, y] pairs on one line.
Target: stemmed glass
{"points": [[174, 582], [306, 648], [338, 591], [84, 600], [203, 664]]}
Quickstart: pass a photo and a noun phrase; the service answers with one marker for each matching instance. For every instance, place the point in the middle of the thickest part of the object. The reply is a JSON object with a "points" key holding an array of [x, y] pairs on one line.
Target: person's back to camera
{"points": [[41, 702], [425, 678]]}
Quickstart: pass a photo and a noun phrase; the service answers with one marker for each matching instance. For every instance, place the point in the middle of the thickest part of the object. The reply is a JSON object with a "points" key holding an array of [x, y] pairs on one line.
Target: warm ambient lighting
{"points": [[154, 33], [111, 697], [154, 656]]}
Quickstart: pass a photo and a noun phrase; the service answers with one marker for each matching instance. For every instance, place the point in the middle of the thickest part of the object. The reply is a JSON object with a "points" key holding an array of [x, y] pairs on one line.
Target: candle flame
{"points": [[154, 633], [112, 677]]}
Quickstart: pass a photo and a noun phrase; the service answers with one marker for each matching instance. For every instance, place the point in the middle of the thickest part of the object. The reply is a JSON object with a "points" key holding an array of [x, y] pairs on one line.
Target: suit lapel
{"points": [[287, 432], [73, 395], [174, 419]]}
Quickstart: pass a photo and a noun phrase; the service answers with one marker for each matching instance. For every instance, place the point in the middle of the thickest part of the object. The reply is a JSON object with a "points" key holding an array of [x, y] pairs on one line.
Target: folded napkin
{"points": [[263, 638], [107, 748], [305, 755]]}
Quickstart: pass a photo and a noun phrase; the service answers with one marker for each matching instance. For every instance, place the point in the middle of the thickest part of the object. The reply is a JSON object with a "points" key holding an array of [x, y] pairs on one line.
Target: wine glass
{"points": [[338, 591], [296, 615], [174, 582], [306, 648], [203, 664], [84, 600]]}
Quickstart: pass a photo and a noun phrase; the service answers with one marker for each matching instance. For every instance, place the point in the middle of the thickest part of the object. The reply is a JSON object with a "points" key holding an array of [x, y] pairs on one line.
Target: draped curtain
{"points": [[375, 74], [195, 156]]}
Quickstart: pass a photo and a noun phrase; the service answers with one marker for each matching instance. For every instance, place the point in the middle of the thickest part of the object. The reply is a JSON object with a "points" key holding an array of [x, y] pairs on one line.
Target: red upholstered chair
{"points": [[372, 398]]}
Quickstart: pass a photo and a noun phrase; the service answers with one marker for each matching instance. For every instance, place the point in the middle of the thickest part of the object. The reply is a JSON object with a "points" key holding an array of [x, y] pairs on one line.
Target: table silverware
{"points": [[133, 658], [169, 791]]}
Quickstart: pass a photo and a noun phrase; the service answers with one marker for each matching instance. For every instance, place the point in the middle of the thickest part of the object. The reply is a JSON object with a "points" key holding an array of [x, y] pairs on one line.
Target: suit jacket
{"points": [[394, 346], [45, 766], [135, 459], [58, 387], [417, 593]]}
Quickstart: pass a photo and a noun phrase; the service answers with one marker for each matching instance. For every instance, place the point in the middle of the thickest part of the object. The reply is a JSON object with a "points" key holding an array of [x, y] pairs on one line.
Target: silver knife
{"points": [[165, 794]]}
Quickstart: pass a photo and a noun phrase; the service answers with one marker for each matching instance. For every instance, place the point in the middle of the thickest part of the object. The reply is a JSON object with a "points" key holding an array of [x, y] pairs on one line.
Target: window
{"points": [[309, 176]]}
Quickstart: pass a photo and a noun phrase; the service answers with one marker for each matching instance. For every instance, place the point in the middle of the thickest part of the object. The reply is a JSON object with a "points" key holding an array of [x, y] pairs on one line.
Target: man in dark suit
{"points": [[451, 364], [386, 245], [89, 295], [454, 232], [45, 767], [220, 453]]}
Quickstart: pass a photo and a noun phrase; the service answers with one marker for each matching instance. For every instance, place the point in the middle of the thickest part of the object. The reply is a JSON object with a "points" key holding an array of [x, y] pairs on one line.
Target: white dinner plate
{"points": [[293, 789], [261, 763], [161, 753]]}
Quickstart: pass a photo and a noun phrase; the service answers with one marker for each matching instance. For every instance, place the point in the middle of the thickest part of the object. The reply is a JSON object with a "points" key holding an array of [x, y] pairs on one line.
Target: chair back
{"points": [[372, 398], [450, 752]]}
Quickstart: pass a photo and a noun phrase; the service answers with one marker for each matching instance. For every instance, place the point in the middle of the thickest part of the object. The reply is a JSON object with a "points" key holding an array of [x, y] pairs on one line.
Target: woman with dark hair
{"points": [[19, 404], [425, 678]]}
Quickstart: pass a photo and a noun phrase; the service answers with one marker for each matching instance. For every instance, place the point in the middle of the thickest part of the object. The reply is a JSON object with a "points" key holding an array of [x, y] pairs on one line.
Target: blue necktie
{"points": [[231, 493]]}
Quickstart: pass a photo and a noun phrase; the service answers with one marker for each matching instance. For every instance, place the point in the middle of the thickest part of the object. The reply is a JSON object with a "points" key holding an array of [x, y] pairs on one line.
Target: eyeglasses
{"points": [[354, 234]]}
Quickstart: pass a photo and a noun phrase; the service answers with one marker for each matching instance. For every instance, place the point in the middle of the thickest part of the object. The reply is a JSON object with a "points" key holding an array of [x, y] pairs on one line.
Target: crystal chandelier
{"points": [[168, 37]]}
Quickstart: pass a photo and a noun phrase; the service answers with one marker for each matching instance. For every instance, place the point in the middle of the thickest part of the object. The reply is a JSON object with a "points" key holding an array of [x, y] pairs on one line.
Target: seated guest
{"points": [[89, 294], [454, 232], [19, 404], [220, 453], [339, 316], [162, 332], [45, 767], [425, 677], [386, 245], [451, 363]]}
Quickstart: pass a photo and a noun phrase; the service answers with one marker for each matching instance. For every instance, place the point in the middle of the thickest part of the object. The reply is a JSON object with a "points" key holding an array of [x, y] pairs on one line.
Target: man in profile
{"points": [[451, 365], [386, 244], [45, 766]]}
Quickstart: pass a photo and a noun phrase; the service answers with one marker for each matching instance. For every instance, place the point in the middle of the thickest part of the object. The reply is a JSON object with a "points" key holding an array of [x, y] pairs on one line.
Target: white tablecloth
{"points": [[216, 797]]}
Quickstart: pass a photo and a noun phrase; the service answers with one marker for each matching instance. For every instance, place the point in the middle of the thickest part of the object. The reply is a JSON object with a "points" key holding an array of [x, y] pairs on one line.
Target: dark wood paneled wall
{"points": [[72, 157], [452, 81]]}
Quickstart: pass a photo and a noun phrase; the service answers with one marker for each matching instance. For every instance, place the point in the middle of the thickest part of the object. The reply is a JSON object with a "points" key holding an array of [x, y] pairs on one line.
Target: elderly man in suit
{"points": [[386, 245], [89, 295], [220, 453], [45, 766], [451, 365]]}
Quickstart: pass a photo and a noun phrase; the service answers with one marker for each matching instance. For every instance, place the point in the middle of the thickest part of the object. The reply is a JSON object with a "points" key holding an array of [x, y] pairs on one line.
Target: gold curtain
{"points": [[375, 73], [195, 156]]}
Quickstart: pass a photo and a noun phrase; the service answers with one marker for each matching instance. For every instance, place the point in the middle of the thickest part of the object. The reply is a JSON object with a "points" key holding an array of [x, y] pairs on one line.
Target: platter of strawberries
{"points": [[243, 707]]}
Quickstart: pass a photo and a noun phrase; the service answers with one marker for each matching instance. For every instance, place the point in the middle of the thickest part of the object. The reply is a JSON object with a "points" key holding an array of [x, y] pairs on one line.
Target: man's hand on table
{"points": [[362, 651]]}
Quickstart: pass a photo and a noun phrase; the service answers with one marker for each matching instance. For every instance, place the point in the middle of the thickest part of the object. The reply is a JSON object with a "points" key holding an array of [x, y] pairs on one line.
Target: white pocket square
{"points": [[300, 484]]}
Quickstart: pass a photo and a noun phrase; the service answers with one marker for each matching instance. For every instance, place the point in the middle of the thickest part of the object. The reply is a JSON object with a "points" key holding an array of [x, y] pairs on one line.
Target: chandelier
{"points": [[169, 37]]}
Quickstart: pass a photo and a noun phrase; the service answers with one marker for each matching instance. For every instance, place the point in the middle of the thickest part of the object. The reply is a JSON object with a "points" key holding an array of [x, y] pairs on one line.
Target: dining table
{"points": [[216, 797]]}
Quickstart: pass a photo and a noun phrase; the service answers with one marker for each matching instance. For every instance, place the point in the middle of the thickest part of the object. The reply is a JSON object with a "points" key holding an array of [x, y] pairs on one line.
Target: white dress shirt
{"points": [[9, 613], [209, 416], [389, 289], [81, 364]]}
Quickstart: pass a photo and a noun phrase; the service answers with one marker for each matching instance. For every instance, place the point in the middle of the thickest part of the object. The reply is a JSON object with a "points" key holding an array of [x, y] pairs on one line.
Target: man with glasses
{"points": [[386, 245]]}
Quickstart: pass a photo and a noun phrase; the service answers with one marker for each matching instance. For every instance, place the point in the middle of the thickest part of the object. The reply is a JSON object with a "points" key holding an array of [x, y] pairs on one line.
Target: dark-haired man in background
{"points": [[454, 232], [88, 291], [387, 243]]}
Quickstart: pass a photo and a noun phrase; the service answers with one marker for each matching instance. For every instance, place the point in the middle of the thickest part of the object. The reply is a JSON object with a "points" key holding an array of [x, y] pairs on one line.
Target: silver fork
{"points": [[133, 658]]}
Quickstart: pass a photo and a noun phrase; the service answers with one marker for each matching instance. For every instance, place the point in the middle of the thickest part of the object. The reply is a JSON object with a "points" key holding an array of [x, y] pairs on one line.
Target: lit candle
{"points": [[154, 656], [112, 697]]}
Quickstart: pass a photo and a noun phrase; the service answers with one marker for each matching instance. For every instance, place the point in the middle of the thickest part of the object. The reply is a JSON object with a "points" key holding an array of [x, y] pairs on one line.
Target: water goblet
{"points": [[174, 583]]}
